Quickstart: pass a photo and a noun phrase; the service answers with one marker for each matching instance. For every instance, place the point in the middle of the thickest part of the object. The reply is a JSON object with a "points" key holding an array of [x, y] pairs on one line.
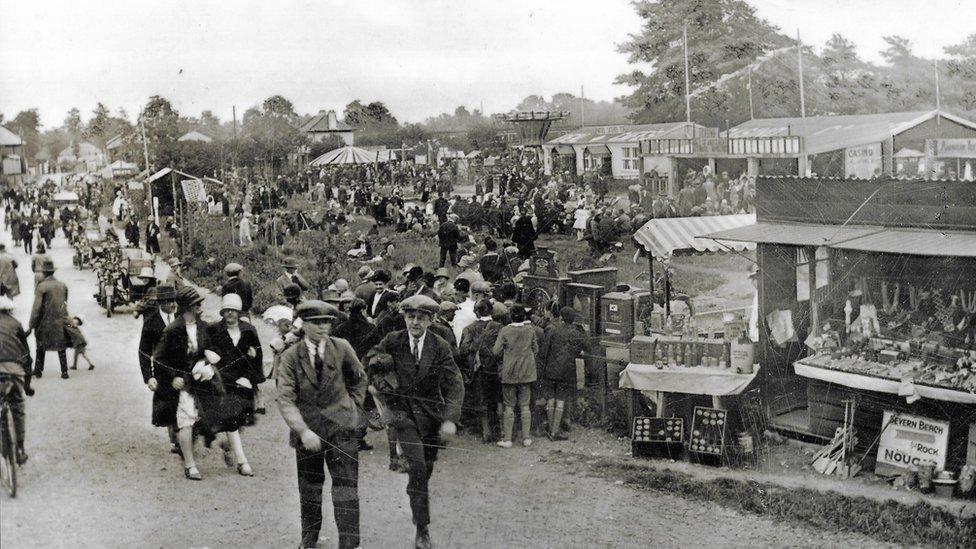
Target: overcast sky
{"points": [[421, 57]]}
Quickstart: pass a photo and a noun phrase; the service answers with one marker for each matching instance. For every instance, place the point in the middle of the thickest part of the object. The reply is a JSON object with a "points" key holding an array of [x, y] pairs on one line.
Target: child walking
{"points": [[517, 345], [77, 341]]}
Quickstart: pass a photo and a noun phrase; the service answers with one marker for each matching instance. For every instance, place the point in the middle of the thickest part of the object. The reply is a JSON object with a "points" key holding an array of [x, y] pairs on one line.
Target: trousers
{"points": [[421, 453], [39, 360], [449, 256], [339, 454]]}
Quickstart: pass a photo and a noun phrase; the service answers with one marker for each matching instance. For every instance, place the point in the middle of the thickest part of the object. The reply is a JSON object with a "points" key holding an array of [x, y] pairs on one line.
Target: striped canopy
{"points": [[349, 155], [667, 236]]}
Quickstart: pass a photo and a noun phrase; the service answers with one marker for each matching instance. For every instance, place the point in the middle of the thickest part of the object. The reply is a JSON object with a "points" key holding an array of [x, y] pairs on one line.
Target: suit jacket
{"points": [[561, 345], [428, 393], [284, 280], [8, 274], [172, 359], [235, 362], [365, 291], [152, 332], [328, 404], [49, 314], [242, 288]]}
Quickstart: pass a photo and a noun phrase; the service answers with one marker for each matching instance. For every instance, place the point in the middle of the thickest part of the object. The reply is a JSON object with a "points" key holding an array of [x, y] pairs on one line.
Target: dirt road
{"points": [[100, 475]]}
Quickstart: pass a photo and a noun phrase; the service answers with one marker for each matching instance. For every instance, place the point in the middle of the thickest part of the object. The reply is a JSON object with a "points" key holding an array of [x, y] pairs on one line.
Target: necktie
{"points": [[415, 350], [319, 365]]}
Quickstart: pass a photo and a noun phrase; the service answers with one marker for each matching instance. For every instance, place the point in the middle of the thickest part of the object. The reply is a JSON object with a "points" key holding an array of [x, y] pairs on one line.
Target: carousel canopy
{"points": [[349, 155], [667, 236]]}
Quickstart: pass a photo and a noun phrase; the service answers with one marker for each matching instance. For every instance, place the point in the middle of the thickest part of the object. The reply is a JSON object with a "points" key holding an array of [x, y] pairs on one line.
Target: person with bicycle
{"points": [[15, 361]]}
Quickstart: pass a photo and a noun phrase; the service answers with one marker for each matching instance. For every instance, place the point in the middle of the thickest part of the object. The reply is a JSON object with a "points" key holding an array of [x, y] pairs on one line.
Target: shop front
{"points": [[867, 308]]}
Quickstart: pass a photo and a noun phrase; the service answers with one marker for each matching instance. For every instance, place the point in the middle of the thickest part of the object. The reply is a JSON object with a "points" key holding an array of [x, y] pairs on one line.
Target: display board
{"points": [[658, 436], [908, 440], [862, 162], [193, 190]]}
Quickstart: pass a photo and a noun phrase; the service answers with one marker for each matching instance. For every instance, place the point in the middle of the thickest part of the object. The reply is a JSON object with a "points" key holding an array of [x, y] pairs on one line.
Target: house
{"points": [[194, 135], [324, 125], [592, 146], [11, 156], [92, 156]]}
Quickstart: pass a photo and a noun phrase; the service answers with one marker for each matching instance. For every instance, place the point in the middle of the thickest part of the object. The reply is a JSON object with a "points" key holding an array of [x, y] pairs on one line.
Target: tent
{"points": [[666, 236], [349, 155], [66, 196]]}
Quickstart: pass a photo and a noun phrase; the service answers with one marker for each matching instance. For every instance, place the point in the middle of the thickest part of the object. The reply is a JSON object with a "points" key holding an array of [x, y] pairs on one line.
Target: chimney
{"points": [[332, 121]]}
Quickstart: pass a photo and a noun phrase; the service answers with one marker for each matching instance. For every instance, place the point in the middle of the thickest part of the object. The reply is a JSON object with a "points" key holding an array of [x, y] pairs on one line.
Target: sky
{"points": [[421, 57]]}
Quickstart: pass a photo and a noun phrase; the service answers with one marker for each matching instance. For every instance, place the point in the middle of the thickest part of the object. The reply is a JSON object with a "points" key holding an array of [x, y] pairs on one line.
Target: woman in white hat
{"points": [[234, 350]]}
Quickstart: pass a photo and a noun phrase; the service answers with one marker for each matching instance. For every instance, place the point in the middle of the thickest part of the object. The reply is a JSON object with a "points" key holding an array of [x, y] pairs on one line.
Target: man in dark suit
{"points": [[291, 276], [321, 387], [237, 285], [366, 289], [448, 236], [415, 372], [165, 398], [47, 318], [378, 304]]}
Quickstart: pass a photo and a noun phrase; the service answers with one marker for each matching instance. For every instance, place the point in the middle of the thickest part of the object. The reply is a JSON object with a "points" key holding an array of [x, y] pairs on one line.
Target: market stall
{"points": [[868, 305]]}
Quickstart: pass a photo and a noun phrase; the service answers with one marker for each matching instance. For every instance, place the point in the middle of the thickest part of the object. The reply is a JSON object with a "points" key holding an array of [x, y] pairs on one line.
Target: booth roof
{"points": [[9, 138], [830, 133], [633, 133], [663, 237], [349, 155], [868, 238]]}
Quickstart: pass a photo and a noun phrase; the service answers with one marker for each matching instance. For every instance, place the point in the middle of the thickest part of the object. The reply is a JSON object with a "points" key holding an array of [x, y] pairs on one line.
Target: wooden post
{"points": [[812, 283]]}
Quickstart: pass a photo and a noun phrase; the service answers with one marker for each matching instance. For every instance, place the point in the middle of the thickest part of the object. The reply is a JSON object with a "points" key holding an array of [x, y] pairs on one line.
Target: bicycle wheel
{"points": [[8, 451]]}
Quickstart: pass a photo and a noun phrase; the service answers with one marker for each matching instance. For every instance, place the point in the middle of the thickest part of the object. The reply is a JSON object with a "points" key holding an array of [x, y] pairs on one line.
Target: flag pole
{"points": [[938, 98], [752, 113], [684, 34], [799, 62]]}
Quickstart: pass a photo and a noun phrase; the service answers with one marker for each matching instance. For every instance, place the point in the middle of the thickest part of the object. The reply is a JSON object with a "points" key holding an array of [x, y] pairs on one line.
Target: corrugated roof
{"points": [[9, 138], [915, 242], [194, 135], [794, 234], [629, 133], [663, 237], [830, 133], [322, 123]]}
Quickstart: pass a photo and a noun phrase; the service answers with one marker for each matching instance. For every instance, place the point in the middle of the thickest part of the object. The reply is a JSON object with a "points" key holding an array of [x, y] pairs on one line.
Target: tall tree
{"points": [[27, 124], [723, 36], [162, 126], [73, 124]]}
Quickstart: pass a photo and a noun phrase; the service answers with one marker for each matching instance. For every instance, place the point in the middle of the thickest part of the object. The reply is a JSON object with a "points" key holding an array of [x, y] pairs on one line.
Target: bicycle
{"points": [[8, 439]]}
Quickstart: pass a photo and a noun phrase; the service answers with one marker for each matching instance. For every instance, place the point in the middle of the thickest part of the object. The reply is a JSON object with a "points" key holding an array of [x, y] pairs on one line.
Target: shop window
{"points": [[591, 162], [822, 271]]}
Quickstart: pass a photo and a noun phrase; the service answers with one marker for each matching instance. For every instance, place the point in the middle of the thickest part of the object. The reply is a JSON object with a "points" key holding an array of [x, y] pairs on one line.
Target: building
{"points": [[325, 125], [592, 146], [12, 164], [89, 154], [194, 135]]}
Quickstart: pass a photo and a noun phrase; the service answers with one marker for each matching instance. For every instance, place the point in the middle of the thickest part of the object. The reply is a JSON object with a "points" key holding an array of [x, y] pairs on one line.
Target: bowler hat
{"points": [[188, 297], [380, 276], [164, 292], [292, 291], [47, 265], [289, 263]]}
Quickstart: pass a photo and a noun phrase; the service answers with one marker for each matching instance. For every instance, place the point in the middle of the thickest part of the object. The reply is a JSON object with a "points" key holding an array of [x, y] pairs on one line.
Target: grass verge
{"points": [[889, 521]]}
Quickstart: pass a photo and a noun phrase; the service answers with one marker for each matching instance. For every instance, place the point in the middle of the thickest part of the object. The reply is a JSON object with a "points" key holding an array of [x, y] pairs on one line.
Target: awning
{"points": [[564, 149], [794, 234], [598, 150], [664, 237], [915, 242]]}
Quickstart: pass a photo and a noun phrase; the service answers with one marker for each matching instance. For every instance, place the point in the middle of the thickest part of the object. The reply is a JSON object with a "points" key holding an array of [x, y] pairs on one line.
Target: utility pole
{"points": [[145, 155], [684, 34], [938, 95], [752, 112], [799, 62], [582, 109], [233, 110]]}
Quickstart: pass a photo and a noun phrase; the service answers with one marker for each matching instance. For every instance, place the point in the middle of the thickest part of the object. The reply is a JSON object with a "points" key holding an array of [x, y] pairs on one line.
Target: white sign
{"points": [[953, 148], [909, 440], [863, 161], [193, 190]]}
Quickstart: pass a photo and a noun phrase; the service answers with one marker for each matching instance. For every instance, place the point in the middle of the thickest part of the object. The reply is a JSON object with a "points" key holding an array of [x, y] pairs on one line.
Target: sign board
{"points": [[862, 162], [908, 440], [193, 190], [135, 186], [420, 159], [951, 148]]}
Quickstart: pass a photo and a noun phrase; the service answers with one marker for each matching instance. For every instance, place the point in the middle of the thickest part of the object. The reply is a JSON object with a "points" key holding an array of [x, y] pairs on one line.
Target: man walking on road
{"points": [[415, 370], [165, 397], [48, 317], [321, 387]]}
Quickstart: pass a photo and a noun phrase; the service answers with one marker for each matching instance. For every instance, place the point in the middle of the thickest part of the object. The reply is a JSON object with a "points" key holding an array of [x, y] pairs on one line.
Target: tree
{"points": [[723, 36], [26, 124], [162, 127], [269, 134], [99, 125], [961, 71], [72, 123]]}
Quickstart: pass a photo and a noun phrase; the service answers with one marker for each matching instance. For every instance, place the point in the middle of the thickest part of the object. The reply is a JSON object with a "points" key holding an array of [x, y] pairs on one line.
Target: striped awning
{"points": [[665, 237], [598, 149]]}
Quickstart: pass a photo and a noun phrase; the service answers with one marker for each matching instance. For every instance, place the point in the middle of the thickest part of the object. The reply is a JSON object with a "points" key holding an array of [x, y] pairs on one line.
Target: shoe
{"points": [[192, 473], [38, 374], [558, 437], [176, 450], [244, 469], [423, 540], [73, 368], [399, 465], [64, 375], [21, 456], [527, 442], [260, 410], [91, 367], [364, 446], [228, 455], [504, 443]]}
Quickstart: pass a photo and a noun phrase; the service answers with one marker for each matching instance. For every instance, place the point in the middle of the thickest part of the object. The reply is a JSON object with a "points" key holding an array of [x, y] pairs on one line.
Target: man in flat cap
{"points": [[291, 276], [415, 371], [321, 387]]}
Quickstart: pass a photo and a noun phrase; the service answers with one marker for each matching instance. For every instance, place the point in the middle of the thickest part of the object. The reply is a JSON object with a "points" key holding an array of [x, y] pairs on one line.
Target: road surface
{"points": [[100, 475]]}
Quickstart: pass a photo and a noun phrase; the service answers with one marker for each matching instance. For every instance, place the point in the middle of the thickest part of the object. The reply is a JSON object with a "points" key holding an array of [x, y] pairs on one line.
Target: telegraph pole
{"points": [[799, 62], [684, 34]]}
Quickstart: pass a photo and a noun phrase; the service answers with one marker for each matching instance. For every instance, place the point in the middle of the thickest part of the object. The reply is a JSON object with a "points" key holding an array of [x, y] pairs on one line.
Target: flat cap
{"points": [[420, 303], [481, 286], [233, 269], [315, 309], [442, 273], [448, 306]]}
